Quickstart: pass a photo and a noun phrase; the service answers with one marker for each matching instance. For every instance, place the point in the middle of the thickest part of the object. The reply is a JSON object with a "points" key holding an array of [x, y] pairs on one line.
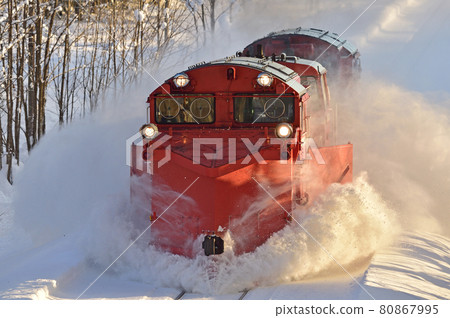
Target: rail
{"points": [[241, 297]]}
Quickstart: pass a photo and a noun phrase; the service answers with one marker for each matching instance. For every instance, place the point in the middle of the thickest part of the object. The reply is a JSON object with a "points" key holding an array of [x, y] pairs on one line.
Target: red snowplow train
{"points": [[231, 148], [338, 56]]}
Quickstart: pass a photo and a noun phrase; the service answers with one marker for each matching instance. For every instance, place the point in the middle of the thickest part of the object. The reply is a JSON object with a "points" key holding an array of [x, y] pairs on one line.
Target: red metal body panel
{"points": [[215, 202]]}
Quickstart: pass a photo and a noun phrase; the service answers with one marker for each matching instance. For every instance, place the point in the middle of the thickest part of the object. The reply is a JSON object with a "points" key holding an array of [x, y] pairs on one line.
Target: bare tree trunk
{"points": [[212, 4], [45, 77], [136, 39], [114, 26], [30, 113], [93, 94], [38, 75], [20, 99], [158, 27], [166, 20], [203, 18], [194, 16], [9, 97], [62, 106]]}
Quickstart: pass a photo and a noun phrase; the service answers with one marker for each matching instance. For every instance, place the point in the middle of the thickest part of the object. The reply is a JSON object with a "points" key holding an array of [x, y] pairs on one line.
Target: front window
{"points": [[315, 103], [185, 109], [316, 109], [263, 109]]}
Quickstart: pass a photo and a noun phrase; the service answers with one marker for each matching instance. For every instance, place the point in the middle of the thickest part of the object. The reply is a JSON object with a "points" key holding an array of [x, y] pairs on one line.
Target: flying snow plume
{"points": [[74, 169], [401, 139], [344, 227]]}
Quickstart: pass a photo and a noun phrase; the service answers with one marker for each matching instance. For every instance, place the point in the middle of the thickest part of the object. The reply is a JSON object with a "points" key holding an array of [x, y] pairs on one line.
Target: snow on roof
{"points": [[282, 72], [332, 38], [314, 64]]}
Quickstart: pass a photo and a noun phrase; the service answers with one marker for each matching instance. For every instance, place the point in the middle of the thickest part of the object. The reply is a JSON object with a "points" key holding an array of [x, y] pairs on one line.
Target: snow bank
{"points": [[418, 265]]}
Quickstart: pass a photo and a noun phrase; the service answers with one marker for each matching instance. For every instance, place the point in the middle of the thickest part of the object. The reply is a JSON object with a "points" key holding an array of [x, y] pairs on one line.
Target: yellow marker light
{"points": [[181, 80], [264, 79]]}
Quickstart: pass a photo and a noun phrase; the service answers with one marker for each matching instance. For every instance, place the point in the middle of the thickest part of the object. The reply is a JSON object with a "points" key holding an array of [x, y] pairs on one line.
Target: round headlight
{"points": [[283, 130], [149, 131], [264, 79], [181, 80]]}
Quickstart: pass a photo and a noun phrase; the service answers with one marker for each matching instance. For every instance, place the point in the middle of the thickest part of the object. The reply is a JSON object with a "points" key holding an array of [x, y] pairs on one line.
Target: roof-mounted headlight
{"points": [[149, 131], [283, 130], [264, 79], [181, 80]]}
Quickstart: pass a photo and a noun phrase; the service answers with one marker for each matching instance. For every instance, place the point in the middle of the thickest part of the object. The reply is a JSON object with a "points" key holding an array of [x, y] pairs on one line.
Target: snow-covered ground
{"points": [[416, 267], [68, 218]]}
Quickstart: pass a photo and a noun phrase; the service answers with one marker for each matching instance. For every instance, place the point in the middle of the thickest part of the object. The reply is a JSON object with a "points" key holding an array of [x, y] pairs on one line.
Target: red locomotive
{"points": [[224, 154], [338, 56]]}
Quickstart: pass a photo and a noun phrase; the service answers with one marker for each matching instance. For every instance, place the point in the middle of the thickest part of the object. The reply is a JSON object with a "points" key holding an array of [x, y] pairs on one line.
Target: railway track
{"points": [[244, 293], [241, 296], [180, 295]]}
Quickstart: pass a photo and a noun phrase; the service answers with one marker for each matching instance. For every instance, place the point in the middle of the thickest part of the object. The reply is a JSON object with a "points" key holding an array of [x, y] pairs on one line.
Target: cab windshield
{"points": [[184, 109], [263, 109]]}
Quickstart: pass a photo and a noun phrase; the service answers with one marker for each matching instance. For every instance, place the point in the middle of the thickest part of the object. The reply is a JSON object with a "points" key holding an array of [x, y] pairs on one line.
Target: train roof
{"points": [[282, 72], [332, 38], [313, 64]]}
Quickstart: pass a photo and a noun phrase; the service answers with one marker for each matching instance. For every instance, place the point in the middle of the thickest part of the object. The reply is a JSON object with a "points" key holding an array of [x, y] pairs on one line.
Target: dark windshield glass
{"points": [[178, 109], [264, 109]]}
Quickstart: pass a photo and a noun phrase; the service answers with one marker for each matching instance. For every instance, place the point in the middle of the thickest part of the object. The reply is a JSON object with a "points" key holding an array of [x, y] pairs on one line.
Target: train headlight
{"points": [[264, 79], [149, 131], [283, 130], [181, 80]]}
